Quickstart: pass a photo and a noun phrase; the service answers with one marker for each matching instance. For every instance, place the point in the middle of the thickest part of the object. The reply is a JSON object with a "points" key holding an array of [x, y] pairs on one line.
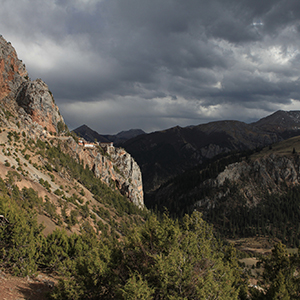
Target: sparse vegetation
{"points": [[122, 252], [7, 114], [45, 184]]}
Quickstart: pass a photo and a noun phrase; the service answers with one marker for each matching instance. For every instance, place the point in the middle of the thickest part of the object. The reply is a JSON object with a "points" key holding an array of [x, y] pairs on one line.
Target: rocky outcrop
{"points": [[256, 178], [114, 166], [12, 71], [130, 182], [29, 105], [29, 100], [267, 172], [37, 101]]}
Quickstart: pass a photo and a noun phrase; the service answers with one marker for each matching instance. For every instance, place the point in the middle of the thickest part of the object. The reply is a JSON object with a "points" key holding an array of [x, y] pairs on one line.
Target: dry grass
{"points": [[282, 148]]}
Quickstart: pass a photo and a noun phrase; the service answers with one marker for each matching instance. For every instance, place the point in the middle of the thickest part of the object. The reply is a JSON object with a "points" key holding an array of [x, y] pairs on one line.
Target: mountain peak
{"points": [[28, 99], [12, 71], [90, 135], [280, 121]]}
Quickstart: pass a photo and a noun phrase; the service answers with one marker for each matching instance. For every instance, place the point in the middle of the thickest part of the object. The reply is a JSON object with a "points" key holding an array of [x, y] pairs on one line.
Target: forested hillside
{"points": [[76, 213], [243, 194], [164, 154], [159, 258]]}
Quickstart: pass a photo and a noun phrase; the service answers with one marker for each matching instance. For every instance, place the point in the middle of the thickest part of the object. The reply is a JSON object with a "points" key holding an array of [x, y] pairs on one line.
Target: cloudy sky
{"points": [[154, 64]]}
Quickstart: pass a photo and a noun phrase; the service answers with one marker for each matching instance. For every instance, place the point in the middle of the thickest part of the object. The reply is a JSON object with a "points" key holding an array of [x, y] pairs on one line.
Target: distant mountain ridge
{"points": [[164, 154], [118, 139], [89, 134], [282, 122]]}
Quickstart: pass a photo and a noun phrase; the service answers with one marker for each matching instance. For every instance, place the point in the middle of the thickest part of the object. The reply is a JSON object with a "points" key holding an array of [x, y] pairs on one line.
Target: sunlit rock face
{"points": [[20, 94], [36, 99], [12, 70], [113, 165], [29, 106]]}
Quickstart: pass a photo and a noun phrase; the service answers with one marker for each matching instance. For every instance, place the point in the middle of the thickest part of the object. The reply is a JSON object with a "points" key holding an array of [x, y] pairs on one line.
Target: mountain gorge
{"points": [[165, 154], [72, 209]]}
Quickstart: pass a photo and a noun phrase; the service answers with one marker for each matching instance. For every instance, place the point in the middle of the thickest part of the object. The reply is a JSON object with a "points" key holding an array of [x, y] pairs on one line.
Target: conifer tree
{"points": [[136, 289], [178, 261], [278, 290], [281, 274]]}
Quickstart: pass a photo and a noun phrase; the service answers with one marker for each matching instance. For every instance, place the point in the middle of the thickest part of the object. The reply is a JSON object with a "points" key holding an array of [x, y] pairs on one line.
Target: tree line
{"points": [[161, 258]]}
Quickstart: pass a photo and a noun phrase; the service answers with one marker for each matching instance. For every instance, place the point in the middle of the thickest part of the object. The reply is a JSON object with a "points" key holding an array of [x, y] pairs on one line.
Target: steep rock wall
{"points": [[31, 100], [12, 70], [37, 101], [255, 178], [115, 165], [30, 105]]}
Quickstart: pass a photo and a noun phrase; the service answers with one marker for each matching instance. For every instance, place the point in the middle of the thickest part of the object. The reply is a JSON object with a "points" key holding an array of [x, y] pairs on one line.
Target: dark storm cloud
{"points": [[155, 64]]}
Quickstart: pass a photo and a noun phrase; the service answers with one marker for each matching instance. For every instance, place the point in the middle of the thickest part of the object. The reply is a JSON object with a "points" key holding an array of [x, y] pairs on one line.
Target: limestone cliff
{"points": [[236, 180], [114, 166], [12, 70], [249, 181], [29, 100], [28, 106], [263, 175], [37, 101]]}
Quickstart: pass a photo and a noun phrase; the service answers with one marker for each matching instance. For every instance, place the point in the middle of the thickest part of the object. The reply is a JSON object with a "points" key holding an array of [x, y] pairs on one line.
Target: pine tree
{"points": [[136, 288], [278, 290], [21, 241], [281, 274], [178, 260]]}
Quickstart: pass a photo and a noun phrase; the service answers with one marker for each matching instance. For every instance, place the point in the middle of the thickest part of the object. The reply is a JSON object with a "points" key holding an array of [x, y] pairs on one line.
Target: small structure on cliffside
{"points": [[86, 144], [107, 146]]}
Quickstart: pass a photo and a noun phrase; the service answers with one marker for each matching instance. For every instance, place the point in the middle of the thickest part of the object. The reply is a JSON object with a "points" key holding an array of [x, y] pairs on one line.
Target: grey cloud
{"points": [[156, 64]]}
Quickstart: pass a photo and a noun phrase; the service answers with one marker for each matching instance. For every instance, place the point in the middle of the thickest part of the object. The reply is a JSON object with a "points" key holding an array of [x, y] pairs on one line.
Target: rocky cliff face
{"points": [[251, 181], [31, 100], [262, 175], [37, 101], [235, 180], [128, 175], [114, 166], [29, 106], [12, 70]]}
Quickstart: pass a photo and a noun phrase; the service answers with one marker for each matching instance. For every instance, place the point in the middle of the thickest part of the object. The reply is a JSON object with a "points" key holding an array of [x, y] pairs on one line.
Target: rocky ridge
{"points": [[28, 106], [113, 165], [12, 70], [267, 172], [263, 175], [244, 179]]}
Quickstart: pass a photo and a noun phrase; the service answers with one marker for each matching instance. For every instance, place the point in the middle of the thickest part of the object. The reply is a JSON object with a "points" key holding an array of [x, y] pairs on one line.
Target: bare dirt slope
{"points": [[28, 288]]}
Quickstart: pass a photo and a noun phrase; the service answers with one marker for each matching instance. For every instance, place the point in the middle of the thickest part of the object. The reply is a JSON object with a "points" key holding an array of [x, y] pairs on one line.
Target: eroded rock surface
{"points": [[37, 101], [29, 106]]}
